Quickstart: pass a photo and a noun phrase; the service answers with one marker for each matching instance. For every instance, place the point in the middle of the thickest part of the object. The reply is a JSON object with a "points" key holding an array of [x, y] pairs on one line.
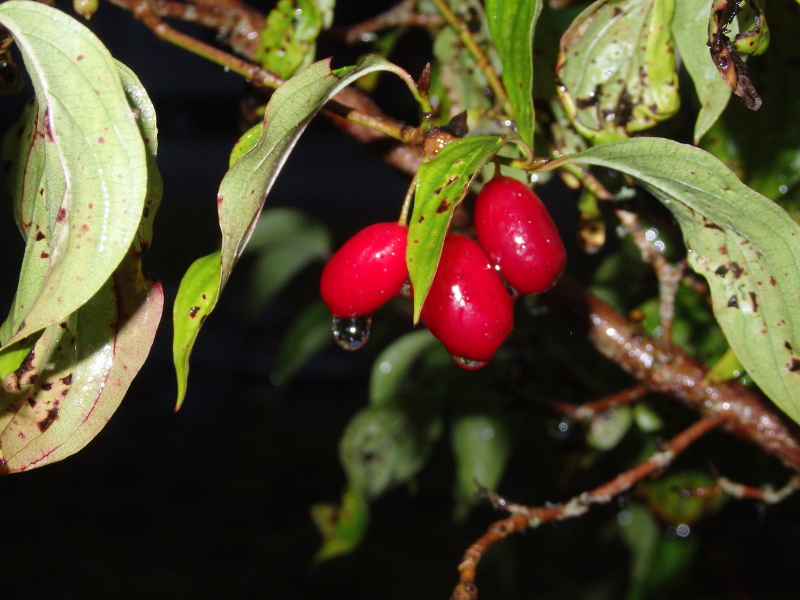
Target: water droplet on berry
{"points": [[351, 333], [467, 363]]}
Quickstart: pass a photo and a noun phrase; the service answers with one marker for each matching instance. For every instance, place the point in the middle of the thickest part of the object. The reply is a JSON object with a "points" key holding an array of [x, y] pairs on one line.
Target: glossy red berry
{"points": [[366, 271], [519, 236], [468, 308]]}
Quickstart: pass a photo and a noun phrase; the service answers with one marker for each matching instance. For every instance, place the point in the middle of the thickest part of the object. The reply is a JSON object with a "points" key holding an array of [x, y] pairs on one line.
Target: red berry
{"points": [[518, 234], [367, 271], [468, 308]]}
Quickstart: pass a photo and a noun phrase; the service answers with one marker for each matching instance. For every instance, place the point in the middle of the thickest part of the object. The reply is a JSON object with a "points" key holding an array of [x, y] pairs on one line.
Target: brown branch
{"points": [[673, 373], [523, 517], [403, 14]]}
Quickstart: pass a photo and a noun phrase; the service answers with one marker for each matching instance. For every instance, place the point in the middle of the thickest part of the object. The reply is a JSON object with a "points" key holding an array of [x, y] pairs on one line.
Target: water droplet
{"points": [[561, 429], [351, 333], [467, 363]]}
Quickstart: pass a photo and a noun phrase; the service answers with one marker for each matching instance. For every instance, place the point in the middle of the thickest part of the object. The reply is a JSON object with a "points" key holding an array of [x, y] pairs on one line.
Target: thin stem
{"points": [[404, 212], [482, 61]]}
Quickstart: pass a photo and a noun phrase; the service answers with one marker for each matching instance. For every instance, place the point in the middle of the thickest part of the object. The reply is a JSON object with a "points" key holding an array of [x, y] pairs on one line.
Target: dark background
{"points": [[213, 501]]}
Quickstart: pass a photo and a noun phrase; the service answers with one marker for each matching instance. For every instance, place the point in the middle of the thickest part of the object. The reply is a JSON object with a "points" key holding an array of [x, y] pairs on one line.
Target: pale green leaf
{"points": [[93, 172], [617, 68], [690, 29], [78, 372], [342, 527], [392, 365], [745, 245], [512, 25], [288, 40], [442, 184]]}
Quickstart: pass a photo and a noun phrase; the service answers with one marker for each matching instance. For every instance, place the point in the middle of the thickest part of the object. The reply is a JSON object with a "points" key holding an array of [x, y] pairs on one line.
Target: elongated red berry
{"points": [[366, 271], [468, 308], [519, 236]]}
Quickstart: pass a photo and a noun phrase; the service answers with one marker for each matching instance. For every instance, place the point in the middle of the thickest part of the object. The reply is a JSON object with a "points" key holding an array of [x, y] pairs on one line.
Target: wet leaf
{"points": [[512, 24], [741, 242], [690, 29], [442, 184], [88, 163], [617, 68], [288, 40], [393, 364]]}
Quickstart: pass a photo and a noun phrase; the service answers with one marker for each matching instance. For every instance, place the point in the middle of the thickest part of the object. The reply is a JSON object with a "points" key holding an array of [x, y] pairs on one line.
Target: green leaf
{"points": [[385, 446], [690, 29], [196, 298], [89, 164], [392, 365], [288, 40], [617, 68], [342, 527], [512, 25], [741, 242], [480, 438], [285, 241], [442, 184], [245, 186], [607, 429]]}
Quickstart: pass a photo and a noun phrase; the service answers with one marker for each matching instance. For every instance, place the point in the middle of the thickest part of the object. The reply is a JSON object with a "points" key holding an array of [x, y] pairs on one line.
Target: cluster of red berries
{"points": [[469, 307]]}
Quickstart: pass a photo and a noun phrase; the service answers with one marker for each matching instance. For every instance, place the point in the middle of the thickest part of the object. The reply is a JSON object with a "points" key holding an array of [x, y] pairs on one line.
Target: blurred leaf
{"points": [[195, 300], [288, 40], [512, 24], [607, 429], [741, 242], [690, 28], [673, 498], [308, 334], [393, 364], [286, 241], [617, 68], [727, 367], [480, 438], [342, 527], [442, 184], [87, 163], [385, 446]]}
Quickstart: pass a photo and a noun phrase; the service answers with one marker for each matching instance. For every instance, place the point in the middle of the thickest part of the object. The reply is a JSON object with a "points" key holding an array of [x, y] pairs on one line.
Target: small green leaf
{"points": [[392, 365], [607, 429], [617, 68], [342, 527], [512, 24], [442, 184], [690, 29], [91, 170], [196, 298], [288, 40], [744, 244]]}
